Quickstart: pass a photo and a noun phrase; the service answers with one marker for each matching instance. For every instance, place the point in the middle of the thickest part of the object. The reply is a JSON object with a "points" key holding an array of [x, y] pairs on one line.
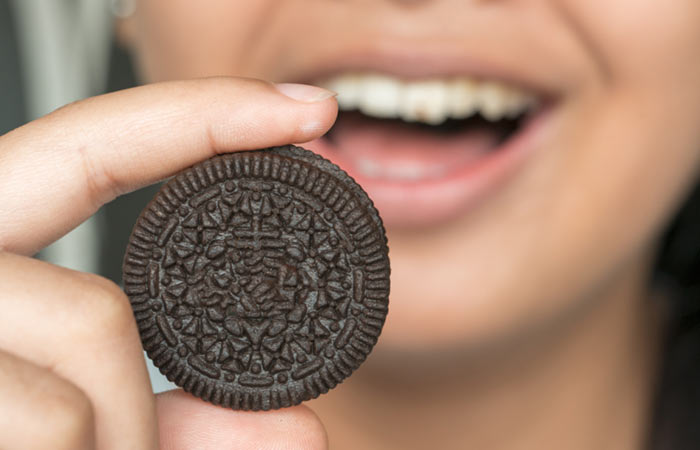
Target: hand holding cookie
{"points": [[72, 373]]}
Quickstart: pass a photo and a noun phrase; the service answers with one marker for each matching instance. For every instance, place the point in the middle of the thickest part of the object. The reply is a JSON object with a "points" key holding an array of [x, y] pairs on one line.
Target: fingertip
{"points": [[305, 92], [312, 127], [188, 422], [315, 110], [266, 114]]}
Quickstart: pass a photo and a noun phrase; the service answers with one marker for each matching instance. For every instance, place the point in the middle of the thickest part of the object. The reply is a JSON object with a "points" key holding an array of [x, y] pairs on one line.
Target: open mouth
{"points": [[424, 149]]}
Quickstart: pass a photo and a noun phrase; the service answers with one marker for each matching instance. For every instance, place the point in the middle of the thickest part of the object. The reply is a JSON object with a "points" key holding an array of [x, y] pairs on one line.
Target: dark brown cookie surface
{"points": [[259, 279]]}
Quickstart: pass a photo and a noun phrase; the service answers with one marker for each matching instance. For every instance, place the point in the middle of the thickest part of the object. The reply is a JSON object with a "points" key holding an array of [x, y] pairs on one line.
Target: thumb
{"points": [[186, 422]]}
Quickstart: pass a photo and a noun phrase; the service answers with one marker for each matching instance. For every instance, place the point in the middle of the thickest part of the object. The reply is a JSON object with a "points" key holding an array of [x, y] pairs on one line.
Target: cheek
{"points": [[635, 130], [589, 208], [640, 41], [178, 39]]}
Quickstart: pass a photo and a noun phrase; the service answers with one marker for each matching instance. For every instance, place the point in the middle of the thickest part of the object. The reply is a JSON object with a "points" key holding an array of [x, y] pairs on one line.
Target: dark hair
{"points": [[676, 415]]}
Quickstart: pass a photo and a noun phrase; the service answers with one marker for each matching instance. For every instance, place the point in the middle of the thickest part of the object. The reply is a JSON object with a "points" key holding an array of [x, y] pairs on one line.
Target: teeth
{"points": [[464, 99], [379, 96], [348, 88], [428, 101], [424, 101], [369, 168], [406, 172], [494, 101]]}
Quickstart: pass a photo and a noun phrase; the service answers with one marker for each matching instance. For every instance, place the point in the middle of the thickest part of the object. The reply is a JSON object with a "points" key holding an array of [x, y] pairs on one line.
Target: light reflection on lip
{"points": [[432, 201]]}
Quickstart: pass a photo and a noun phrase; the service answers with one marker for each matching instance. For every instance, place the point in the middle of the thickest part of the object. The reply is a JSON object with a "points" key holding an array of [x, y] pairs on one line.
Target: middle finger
{"points": [[81, 327]]}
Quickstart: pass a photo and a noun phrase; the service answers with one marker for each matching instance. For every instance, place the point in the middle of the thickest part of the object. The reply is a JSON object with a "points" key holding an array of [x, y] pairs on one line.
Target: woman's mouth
{"points": [[429, 150]]}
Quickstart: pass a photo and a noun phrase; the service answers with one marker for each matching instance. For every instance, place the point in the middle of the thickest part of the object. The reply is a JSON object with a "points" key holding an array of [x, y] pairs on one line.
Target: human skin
{"points": [[72, 372], [531, 311], [616, 124], [562, 248]]}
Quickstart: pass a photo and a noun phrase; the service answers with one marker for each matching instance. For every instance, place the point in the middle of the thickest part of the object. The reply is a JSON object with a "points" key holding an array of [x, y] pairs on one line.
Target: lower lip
{"points": [[433, 201]]}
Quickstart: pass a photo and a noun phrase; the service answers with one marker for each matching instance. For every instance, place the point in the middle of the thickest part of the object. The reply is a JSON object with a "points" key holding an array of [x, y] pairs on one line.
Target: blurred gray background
{"points": [[53, 52]]}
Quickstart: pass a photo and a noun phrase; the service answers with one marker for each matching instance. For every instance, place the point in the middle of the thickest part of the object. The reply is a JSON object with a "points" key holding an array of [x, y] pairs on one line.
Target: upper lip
{"points": [[417, 60]]}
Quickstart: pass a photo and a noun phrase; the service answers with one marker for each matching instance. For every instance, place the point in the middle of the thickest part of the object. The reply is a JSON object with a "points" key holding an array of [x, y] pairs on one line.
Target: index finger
{"points": [[57, 171]]}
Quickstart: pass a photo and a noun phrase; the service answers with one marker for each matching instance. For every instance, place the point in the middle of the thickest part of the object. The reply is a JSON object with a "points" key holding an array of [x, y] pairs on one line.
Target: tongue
{"points": [[395, 149]]}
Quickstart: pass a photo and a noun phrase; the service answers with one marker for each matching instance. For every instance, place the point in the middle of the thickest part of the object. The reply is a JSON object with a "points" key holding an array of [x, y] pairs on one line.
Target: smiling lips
{"points": [[427, 149]]}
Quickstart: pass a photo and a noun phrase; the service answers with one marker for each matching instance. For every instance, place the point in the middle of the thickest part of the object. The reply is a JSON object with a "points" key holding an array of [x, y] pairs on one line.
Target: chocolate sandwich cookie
{"points": [[259, 279]]}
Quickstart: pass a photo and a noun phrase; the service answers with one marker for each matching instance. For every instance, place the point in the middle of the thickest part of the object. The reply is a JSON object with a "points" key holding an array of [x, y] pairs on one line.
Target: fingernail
{"points": [[304, 92]]}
